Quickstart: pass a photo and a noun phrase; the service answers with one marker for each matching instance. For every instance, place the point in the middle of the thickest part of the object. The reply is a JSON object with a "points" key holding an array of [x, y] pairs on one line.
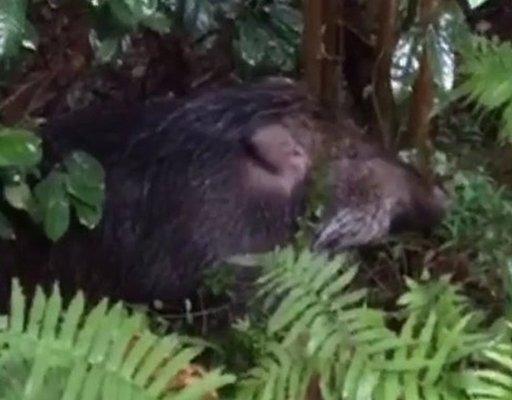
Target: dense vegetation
{"points": [[414, 319]]}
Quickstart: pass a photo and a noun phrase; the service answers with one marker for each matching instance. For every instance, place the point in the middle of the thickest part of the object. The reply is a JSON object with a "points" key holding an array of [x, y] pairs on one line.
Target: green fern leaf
{"points": [[100, 355]]}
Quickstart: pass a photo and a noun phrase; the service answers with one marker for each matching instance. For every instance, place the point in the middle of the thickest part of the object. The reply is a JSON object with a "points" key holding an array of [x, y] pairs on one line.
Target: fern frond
{"points": [[320, 324], [281, 374], [321, 328], [103, 354], [443, 332], [486, 77], [493, 379]]}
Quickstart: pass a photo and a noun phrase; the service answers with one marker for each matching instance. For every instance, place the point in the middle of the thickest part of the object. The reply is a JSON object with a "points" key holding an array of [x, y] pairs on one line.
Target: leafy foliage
{"points": [[78, 183], [15, 31], [444, 332], [480, 200], [304, 306], [268, 36], [51, 352], [441, 40], [485, 72], [317, 331], [320, 330], [478, 225], [115, 19], [266, 33], [494, 380], [133, 14]]}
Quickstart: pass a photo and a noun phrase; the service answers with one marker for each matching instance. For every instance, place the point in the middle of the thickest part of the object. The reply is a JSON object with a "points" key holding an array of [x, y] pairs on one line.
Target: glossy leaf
{"points": [[88, 216], [440, 39], [145, 12], [19, 147], [18, 196], [268, 40], [85, 178], [53, 200], [15, 30]]}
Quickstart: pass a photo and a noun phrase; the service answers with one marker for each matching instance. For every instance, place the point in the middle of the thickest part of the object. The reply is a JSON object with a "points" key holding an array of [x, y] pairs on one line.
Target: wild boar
{"points": [[191, 182]]}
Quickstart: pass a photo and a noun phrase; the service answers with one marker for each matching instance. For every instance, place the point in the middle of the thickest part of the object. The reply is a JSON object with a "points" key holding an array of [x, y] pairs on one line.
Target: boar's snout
{"points": [[374, 195]]}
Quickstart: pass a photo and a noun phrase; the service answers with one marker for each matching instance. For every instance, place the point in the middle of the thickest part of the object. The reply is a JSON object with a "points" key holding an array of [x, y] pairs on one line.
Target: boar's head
{"points": [[372, 194]]}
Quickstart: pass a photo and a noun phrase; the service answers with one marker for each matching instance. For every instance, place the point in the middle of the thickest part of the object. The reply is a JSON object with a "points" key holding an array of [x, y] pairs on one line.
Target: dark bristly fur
{"points": [[222, 173]]}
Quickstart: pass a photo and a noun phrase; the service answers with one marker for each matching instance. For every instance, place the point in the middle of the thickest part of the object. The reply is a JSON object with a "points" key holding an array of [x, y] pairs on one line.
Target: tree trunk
{"points": [[384, 102], [322, 50], [422, 101]]}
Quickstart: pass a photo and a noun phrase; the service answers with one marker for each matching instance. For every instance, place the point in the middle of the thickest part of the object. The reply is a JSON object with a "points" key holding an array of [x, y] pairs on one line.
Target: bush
{"points": [[266, 34], [479, 226], [77, 183]]}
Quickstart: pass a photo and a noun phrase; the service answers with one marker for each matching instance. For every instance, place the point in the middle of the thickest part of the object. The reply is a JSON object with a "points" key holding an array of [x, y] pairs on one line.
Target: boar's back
{"points": [[175, 200]]}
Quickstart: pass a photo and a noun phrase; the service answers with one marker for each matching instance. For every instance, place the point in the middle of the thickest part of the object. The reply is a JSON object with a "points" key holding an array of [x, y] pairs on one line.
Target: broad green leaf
{"points": [[19, 148], [88, 216], [18, 196], [15, 30], [441, 40], [253, 41], [52, 197], [85, 179], [265, 44], [129, 15], [56, 220]]}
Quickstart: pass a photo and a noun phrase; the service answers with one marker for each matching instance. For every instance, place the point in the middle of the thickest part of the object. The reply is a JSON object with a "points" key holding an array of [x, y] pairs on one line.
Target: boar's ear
{"points": [[276, 160]]}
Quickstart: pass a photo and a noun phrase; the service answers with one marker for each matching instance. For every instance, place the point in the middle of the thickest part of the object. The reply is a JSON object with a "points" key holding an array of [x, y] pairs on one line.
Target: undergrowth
{"points": [[478, 228], [314, 332], [48, 351]]}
